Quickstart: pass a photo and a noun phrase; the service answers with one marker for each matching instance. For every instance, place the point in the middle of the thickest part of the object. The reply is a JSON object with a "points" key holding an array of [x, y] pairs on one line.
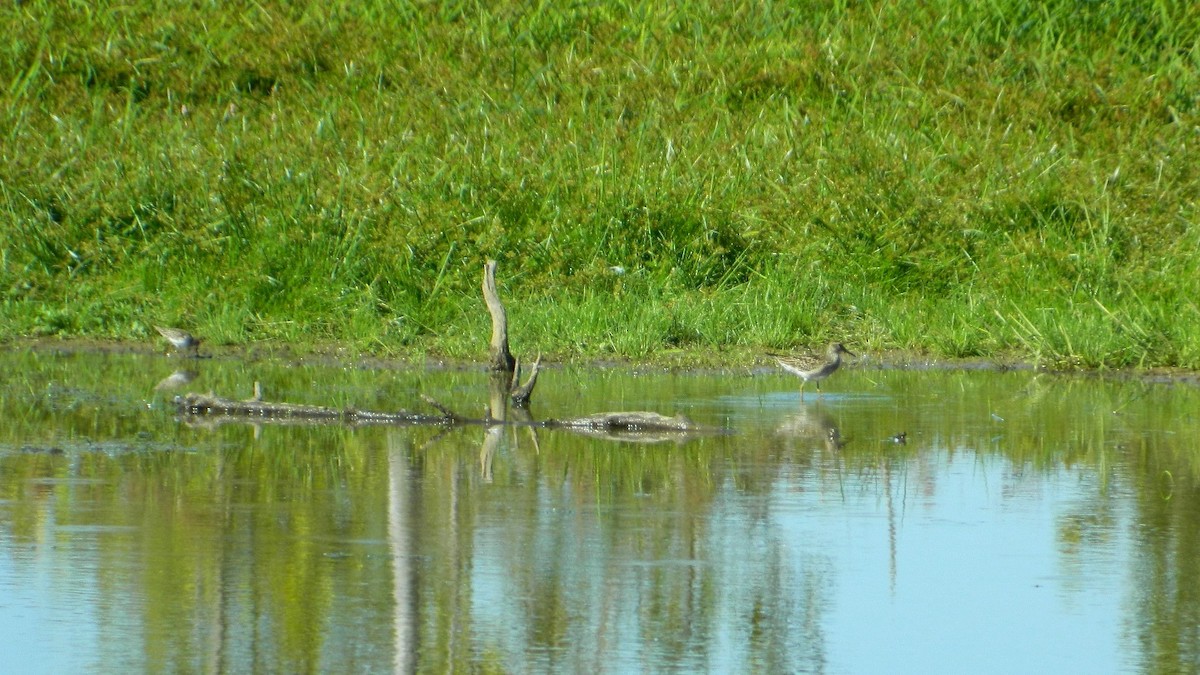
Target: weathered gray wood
{"points": [[635, 427], [522, 394], [501, 358], [208, 405], [628, 421], [639, 425]]}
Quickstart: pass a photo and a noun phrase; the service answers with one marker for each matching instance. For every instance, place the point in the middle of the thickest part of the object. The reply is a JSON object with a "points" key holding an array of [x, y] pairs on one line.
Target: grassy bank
{"points": [[1018, 178]]}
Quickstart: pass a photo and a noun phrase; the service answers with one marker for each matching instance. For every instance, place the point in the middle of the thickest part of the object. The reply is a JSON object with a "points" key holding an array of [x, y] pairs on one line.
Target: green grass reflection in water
{"points": [[1023, 507]]}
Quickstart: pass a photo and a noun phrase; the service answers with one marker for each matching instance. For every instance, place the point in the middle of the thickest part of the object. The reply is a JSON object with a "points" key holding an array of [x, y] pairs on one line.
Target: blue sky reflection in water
{"points": [[1030, 524], [971, 579]]}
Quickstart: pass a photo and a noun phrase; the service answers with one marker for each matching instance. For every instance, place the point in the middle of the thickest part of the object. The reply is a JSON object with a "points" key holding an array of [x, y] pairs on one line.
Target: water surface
{"points": [[1030, 523]]}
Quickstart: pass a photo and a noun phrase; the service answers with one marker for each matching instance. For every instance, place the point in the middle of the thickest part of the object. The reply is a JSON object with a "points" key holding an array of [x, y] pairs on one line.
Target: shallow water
{"points": [[1031, 523]]}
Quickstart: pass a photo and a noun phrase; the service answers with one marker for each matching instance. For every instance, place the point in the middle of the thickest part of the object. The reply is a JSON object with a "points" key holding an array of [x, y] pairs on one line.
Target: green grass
{"points": [[1010, 179]]}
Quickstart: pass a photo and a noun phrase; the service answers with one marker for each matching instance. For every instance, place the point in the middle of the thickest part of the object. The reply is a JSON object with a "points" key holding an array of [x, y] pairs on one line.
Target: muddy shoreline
{"points": [[739, 362]]}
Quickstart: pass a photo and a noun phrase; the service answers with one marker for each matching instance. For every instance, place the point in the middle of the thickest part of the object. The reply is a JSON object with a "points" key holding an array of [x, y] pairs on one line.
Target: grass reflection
{"points": [[244, 547]]}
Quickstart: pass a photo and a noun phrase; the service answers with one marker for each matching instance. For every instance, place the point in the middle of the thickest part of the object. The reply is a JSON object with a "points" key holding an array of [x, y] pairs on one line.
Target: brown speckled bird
{"points": [[180, 339], [815, 368]]}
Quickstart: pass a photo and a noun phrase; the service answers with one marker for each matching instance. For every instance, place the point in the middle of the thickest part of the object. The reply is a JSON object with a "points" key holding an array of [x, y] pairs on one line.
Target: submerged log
{"points": [[635, 427], [641, 426], [628, 421], [208, 405], [501, 358]]}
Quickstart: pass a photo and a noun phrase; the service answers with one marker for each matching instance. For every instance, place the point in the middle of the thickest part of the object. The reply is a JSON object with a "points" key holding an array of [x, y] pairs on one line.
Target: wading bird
{"points": [[815, 368], [180, 339]]}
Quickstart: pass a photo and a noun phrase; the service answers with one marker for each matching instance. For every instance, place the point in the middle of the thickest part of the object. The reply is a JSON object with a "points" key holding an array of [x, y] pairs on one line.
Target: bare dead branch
{"points": [[501, 358], [522, 394], [210, 406], [208, 409]]}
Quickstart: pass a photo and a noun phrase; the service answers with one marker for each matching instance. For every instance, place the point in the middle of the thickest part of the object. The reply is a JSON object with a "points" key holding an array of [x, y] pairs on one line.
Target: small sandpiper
{"points": [[180, 339], [815, 368]]}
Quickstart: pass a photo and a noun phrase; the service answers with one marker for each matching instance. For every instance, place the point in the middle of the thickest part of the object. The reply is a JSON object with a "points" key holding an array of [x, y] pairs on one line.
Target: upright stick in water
{"points": [[501, 358]]}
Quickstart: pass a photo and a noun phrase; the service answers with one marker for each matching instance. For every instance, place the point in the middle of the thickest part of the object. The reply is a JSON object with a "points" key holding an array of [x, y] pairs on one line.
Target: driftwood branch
{"points": [[521, 394], [627, 421], [208, 405], [634, 426], [501, 358], [645, 426]]}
